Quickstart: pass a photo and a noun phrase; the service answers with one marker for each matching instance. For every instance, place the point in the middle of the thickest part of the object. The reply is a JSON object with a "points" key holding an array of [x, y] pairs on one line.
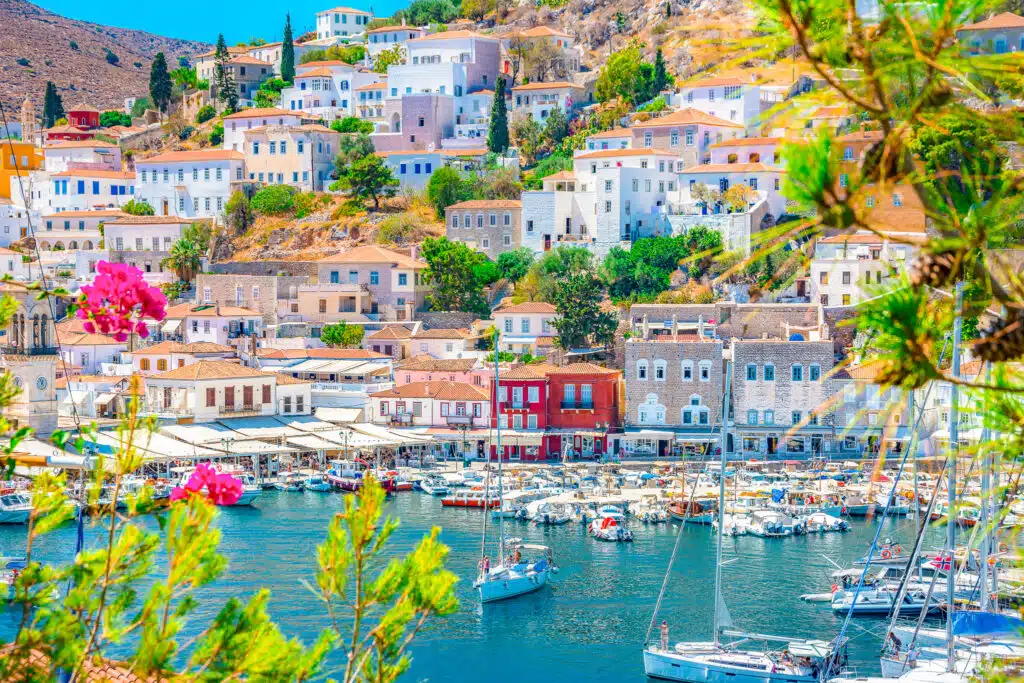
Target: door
{"points": [[247, 397], [229, 398], [167, 397], [801, 288], [164, 213], [547, 242], [773, 442]]}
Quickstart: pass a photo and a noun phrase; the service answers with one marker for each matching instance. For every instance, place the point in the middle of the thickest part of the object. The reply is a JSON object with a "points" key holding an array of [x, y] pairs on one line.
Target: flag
{"points": [[942, 562]]}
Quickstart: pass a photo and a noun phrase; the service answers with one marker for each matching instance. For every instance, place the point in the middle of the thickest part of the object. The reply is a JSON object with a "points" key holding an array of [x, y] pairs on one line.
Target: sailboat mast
{"points": [[986, 492], [954, 446], [487, 492], [721, 500]]}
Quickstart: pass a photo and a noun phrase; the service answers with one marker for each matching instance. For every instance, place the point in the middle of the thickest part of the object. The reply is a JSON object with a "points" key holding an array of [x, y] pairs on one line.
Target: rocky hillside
{"points": [[73, 54]]}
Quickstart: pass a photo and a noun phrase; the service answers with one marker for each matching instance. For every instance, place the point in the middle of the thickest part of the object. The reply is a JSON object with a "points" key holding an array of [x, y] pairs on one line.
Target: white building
{"points": [[81, 189], [89, 351], [14, 221], [846, 269], [617, 138], [540, 99], [432, 404], [11, 265], [341, 22], [448, 63], [190, 184], [387, 37], [236, 124], [767, 151], [210, 322], [730, 99], [472, 120], [521, 325], [168, 355], [74, 229], [764, 179], [444, 343], [82, 154], [144, 242], [327, 89], [413, 168], [558, 214]]}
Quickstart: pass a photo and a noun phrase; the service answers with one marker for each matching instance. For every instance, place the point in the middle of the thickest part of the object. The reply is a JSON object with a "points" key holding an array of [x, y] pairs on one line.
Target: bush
{"points": [[351, 124], [114, 118], [137, 207], [217, 134], [22, 61], [398, 229], [205, 113], [73, 45], [186, 132], [112, 58], [140, 106], [273, 200], [305, 203]]}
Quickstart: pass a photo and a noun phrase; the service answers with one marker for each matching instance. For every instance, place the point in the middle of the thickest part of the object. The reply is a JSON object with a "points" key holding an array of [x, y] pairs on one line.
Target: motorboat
{"points": [[348, 475], [549, 514], [434, 486], [821, 522], [471, 498], [770, 524], [649, 511], [515, 575], [317, 483], [610, 526], [733, 525], [15, 508], [251, 489], [881, 601], [287, 483]]}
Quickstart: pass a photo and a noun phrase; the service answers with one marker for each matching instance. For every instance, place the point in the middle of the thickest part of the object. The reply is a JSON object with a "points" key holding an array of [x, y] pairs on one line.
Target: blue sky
{"points": [[203, 20]]}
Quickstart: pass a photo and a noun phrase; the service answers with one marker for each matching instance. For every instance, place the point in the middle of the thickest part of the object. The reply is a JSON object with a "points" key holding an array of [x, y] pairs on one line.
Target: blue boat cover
{"points": [[986, 624], [15, 564], [540, 566], [778, 495]]}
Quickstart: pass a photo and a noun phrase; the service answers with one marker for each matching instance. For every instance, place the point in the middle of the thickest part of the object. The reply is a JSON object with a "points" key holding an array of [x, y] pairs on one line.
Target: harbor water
{"points": [[589, 625]]}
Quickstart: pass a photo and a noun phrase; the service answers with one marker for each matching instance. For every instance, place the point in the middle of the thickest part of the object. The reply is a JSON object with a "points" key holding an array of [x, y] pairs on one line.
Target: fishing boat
{"points": [[692, 512], [770, 524], [15, 508], [611, 527], [471, 498], [317, 483], [251, 489], [434, 486], [514, 575], [348, 475]]}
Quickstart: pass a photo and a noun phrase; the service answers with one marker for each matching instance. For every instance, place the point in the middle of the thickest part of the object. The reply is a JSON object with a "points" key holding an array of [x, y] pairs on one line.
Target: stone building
{"points": [[261, 293], [488, 225]]}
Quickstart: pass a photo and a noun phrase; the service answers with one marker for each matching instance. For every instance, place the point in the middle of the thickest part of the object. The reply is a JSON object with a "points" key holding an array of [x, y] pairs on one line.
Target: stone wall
{"points": [[268, 288], [674, 392], [447, 320], [738, 321], [306, 268], [782, 394]]}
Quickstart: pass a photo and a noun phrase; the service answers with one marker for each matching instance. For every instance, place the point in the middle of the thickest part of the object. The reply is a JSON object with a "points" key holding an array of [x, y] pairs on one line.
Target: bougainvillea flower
{"points": [[221, 489], [118, 301]]}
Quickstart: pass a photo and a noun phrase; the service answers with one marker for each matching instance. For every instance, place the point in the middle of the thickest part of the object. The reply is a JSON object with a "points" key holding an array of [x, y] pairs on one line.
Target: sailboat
{"points": [[513, 575], [715, 661]]}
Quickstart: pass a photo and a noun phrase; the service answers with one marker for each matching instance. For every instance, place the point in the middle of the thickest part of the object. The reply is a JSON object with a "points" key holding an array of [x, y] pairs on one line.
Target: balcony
{"points": [[242, 410], [577, 405], [400, 418], [459, 420], [30, 351], [352, 386]]}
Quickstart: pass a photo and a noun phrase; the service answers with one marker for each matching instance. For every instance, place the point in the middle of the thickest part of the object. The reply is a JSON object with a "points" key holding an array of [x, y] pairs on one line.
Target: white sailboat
{"points": [[513, 575], [715, 661]]}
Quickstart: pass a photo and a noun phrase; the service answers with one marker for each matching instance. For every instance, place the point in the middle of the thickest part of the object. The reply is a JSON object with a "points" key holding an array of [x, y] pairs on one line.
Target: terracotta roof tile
{"points": [[445, 391], [744, 142], [194, 155], [256, 112], [756, 167], [488, 204], [633, 152], [529, 307], [374, 254], [613, 133], [429, 364], [208, 311], [582, 369], [453, 35], [94, 173], [177, 347], [392, 332], [553, 85], [999, 21], [209, 369], [442, 333], [535, 371], [688, 116]]}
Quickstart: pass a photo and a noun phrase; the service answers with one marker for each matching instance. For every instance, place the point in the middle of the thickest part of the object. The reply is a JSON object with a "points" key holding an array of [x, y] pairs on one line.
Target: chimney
{"points": [[700, 326], [414, 251], [675, 323]]}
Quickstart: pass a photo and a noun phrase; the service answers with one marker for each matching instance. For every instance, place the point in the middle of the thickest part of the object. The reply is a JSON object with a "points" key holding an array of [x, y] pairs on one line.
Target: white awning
{"points": [[105, 398], [649, 434], [313, 443], [511, 437], [170, 326], [340, 415]]}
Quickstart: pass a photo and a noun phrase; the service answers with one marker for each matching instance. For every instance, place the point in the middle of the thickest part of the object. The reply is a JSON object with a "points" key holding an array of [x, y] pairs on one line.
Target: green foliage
{"points": [[351, 148], [287, 52], [556, 127], [581, 322], [645, 269], [205, 113], [388, 57], [352, 124], [503, 357], [273, 200], [185, 259], [53, 106], [446, 187], [452, 272], [114, 118], [224, 82], [497, 132], [269, 93], [350, 54], [477, 9], [658, 104], [173, 290], [184, 63], [424, 12], [73, 45], [515, 263], [549, 165], [21, 61], [526, 134], [487, 272], [400, 228], [547, 274], [112, 58], [186, 78], [662, 78], [626, 75], [217, 134], [140, 105], [305, 203], [342, 335], [160, 82], [198, 233], [137, 207], [368, 178]]}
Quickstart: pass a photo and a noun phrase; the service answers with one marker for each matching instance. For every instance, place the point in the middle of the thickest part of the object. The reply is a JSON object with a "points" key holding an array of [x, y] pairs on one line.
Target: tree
{"points": [[53, 107], [342, 335], [287, 52], [352, 124], [515, 264], [273, 200], [662, 79], [185, 259], [477, 9], [424, 12], [705, 195], [369, 178], [114, 118], [385, 58], [160, 85], [112, 58], [497, 133], [627, 76], [446, 187], [451, 271], [140, 106], [350, 149], [137, 207], [227, 91], [217, 134], [739, 197], [205, 113], [526, 135], [556, 128], [580, 321], [239, 213], [269, 92]]}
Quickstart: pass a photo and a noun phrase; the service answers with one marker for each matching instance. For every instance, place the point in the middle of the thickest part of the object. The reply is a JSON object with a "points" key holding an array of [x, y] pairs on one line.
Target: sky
{"points": [[203, 20]]}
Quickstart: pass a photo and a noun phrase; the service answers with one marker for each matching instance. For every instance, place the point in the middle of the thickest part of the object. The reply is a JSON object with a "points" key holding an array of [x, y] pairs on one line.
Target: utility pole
{"points": [[954, 446]]}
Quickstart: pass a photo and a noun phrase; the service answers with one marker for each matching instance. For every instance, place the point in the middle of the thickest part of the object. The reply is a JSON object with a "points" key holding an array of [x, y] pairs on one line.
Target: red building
{"points": [[84, 117], [67, 134], [543, 410]]}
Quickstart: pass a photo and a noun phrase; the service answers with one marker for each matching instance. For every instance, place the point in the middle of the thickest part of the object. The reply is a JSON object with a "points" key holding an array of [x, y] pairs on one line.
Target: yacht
{"points": [[434, 486], [15, 508], [881, 601], [516, 575], [800, 662], [770, 524]]}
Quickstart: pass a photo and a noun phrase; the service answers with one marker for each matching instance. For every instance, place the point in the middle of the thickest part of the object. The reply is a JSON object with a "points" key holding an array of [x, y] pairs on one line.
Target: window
{"points": [[648, 139], [798, 373], [848, 153], [823, 277], [689, 136], [403, 279], [641, 370], [659, 371], [674, 138], [144, 364], [508, 325], [751, 417], [769, 372], [751, 373], [897, 199], [705, 371], [374, 277], [769, 417], [815, 373], [524, 325], [211, 397], [846, 278], [797, 417], [687, 370], [533, 393], [844, 180]]}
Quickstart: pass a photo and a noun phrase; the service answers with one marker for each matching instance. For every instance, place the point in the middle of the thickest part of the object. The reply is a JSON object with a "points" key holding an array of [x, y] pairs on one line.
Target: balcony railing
{"points": [[459, 420], [577, 405], [353, 386], [401, 418]]}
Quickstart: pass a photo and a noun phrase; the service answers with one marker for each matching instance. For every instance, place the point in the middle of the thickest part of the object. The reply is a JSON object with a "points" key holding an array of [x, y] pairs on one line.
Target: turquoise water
{"points": [[589, 625]]}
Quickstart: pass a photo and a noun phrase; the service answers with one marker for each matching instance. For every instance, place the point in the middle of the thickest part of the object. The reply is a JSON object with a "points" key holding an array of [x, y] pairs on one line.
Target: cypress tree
{"points": [[53, 107], [497, 135], [661, 77], [160, 82], [287, 52], [227, 92]]}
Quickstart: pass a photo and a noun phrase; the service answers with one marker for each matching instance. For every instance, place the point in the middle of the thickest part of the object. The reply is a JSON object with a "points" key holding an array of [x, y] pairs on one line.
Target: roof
{"points": [[688, 116], [151, 220], [209, 369], [87, 214], [535, 371], [756, 167], [288, 379], [489, 204], [862, 136], [528, 307], [322, 353], [442, 333], [344, 10], [543, 32], [260, 111], [71, 332], [561, 175], [445, 391], [392, 332], [453, 35], [247, 59], [999, 21], [635, 152], [177, 347], [208, 311], [429, 364], [82, 144], [374, 254], [547, 86], [398, 27], [744, 142], [83, 107], [92, 173], [319, 72], [613, 133], [194, 155], [382, 85], [66, 129], [583, 369], [714, 81]]}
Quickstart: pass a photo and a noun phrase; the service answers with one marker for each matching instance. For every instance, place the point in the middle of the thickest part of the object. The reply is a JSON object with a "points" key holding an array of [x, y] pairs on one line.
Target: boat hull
{"points": [[669, 666], [248, 496], [473, 503], [17, 516], [493, 591]]}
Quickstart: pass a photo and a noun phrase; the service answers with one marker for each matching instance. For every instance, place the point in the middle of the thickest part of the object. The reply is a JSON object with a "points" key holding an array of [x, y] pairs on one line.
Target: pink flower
{"points": [[221, 489], [118, 300]]}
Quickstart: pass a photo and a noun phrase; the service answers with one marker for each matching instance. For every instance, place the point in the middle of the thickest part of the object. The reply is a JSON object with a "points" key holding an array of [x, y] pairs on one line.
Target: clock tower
{"points": [[28, 352]]}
